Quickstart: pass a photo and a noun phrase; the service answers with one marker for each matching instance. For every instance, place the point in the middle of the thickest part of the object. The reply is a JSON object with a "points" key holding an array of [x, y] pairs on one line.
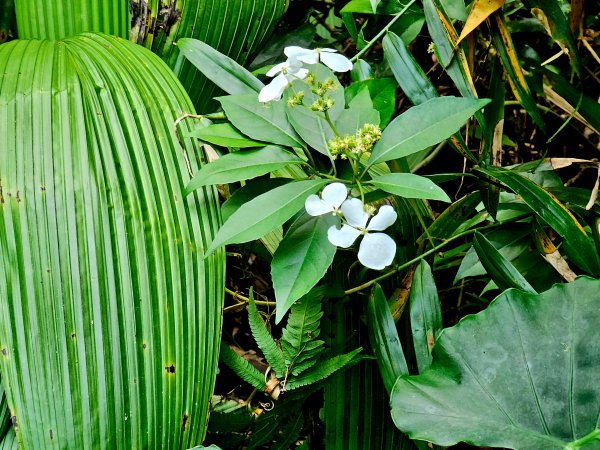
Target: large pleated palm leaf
{"points": [[236, 28], [109, 315]]}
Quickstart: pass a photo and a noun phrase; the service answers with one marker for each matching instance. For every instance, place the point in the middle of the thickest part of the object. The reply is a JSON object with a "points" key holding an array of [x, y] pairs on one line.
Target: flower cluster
{"points": [[376, 250], [293, 69], [359, 144]]}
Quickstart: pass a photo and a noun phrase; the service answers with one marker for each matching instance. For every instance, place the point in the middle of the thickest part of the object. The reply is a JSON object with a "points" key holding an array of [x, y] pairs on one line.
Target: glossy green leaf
{"points": [[301, 260], [415, 83], [510, 241], [521, 374], [262, 121], [424, 125], [383, 96], [578, 245], [310, 126], [222, 70], [360, 111], [111, 317], [225, 135], [409, 185], [445, 38], [446, 224], [250, 190], [384, 339], [264, 213], [242, 165], [425, 314], [502, 272]]}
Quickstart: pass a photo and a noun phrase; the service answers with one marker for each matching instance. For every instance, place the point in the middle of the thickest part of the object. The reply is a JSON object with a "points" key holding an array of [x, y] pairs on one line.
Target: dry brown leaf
{"points": [[562, 267], [594, 195], [557, 100], [497, 143], [480, 11], [559, 163]]}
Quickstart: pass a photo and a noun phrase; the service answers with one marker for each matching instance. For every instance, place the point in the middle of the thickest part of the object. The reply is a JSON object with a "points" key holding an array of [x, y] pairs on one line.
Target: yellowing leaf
{"points": [[480, 11]]}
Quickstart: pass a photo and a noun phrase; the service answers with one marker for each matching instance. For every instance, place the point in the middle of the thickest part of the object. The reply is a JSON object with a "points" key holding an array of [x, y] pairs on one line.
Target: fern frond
{"points": [[299, 342], [265, 341], [323, 369], [243, 368]]}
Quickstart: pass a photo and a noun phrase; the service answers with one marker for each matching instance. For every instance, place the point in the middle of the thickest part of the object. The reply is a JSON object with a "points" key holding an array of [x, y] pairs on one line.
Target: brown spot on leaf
{"points": [[51, 434], [430, 340], [184, 422], [170, 369], [5, 352]]}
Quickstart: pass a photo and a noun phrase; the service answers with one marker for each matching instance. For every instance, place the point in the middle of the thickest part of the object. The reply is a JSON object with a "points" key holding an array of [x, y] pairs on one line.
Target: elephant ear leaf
{"points": [[521, 374]]}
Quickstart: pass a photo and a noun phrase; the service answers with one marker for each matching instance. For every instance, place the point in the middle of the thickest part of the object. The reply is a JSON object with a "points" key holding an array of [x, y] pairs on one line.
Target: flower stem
{"points": [[420, 257], [382, 32]]}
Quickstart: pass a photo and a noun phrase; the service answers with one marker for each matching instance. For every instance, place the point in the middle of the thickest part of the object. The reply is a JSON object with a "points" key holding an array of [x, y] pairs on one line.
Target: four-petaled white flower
{"points": [[331, 199], [284, 74], [293, 69], [376, 250], [328, 56]]}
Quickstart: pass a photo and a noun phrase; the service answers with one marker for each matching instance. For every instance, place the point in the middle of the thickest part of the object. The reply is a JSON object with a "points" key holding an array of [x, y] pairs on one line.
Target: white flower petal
{"points": [[354, 212], [376, 251], [383, 219], [274, 89], [328, 50], [343, 237], [311, 57], [317, 207], [296, 74], [334, 194], [336, 62], [276, 69], [293, 51]]}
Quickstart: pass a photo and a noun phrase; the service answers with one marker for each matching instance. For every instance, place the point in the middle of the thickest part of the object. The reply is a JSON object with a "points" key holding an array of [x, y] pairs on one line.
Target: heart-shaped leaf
{"points": [[522, 374]]}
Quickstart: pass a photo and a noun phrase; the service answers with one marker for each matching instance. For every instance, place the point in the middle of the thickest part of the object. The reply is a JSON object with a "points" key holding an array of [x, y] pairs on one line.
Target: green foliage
{"points": [[424, 125], [489, 388], [301, 260], [110, 313]]}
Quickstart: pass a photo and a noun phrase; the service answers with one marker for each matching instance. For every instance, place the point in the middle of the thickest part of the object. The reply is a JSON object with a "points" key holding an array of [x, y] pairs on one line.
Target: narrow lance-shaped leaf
{"points": [[500, 269], [480, 11], [425, 314], [409, 185], [219, 68], [242, 165], [264, 122], [521, 374], [424, 125], [264, 213], [225, 135], [384, 339], [301, 260], [415, 83], [578, 245]]}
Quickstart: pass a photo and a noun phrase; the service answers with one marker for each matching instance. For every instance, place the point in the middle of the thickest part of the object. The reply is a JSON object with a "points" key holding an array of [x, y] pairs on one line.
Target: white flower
{"points": [[376, 250], [331, 199], [328, 56], [286, 73]]}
